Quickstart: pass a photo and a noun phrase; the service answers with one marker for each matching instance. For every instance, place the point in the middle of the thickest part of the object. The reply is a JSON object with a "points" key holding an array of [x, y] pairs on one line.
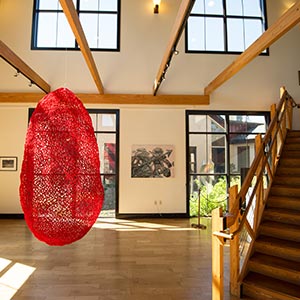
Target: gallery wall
{"points": [[144, 37]]}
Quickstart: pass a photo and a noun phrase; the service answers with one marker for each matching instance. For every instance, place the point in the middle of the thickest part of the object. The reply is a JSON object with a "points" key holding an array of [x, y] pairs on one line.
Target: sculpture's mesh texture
{"points": [[61, 192]]}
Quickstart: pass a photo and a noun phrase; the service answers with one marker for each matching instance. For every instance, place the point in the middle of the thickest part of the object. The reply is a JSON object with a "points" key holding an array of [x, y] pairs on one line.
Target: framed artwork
{"points": [[152, 161], [8, 163]]}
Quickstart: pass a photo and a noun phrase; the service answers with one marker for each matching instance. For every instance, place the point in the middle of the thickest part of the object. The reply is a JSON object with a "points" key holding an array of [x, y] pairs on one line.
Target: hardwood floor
{"points": [[161, 259]]}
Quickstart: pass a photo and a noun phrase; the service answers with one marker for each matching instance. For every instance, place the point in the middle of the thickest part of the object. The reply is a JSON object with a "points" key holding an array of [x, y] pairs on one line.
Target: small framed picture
{"points": [[8, 163]]}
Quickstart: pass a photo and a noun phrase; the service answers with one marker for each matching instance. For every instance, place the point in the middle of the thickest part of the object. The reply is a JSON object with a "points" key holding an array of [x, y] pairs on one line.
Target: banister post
{"points": [[274, 139], [283, 128], [217, 255], [234, 244], [260, 188], [289, 114]]}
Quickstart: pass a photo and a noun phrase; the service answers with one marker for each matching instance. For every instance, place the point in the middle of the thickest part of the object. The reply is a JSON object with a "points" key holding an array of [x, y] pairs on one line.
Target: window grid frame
{"points": [[225, 17], [226, 133], [36, 16]]}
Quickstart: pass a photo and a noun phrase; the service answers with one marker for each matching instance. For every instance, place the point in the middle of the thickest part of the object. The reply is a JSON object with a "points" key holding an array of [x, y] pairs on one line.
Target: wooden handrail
{"points": [[245, 221]]}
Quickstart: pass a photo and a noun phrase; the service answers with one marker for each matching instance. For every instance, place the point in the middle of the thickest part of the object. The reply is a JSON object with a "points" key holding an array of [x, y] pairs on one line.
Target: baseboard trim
{"points": [[11, 216], [154, 216]]}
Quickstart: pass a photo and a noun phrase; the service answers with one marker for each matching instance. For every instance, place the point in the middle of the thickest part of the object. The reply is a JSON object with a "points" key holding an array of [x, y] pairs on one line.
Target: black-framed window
{"points": [[225, 26], [106, 127], [100, 20], [220, 149]]}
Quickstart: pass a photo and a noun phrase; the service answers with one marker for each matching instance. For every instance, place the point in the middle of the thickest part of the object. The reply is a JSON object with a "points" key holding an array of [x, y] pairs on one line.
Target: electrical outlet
{"points": [[155, 202], [160, 202]]}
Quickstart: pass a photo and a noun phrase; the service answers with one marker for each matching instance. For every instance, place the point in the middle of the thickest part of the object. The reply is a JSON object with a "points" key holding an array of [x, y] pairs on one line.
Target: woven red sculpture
{"points": [[61, 192]]}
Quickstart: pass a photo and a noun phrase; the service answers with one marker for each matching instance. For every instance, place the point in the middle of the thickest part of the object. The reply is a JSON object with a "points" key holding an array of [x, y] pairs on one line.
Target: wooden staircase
{"points": [[274, 266]]}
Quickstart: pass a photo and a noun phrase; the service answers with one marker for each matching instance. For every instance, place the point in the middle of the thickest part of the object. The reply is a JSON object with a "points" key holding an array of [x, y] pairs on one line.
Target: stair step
{"points": [[275, 267], [280, 230], [287, 171], [286, 180], [286, 154], [282, 215], [284, 202], [289, 162], [263, 287], [291, 147], [278, 247], [291, 133], [290, 191]]}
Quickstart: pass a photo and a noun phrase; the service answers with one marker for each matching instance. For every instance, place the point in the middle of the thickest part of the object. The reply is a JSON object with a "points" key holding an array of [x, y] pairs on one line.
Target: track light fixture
{"points": [[156, 4]]}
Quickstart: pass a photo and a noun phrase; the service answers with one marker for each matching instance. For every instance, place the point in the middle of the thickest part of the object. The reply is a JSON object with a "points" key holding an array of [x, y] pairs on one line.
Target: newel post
{"points": [[234, 243], [217, 255]]}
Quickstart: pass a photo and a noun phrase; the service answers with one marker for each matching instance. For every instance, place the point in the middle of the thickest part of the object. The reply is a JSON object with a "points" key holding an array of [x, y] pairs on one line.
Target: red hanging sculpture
{"points": [[61, 192]]}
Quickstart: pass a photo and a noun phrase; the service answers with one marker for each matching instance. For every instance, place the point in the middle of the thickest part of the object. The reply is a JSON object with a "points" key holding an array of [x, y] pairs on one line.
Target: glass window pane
{"points": [[89, 24], [197, 123], [214, 7], [242, 152], [109, 5], [252, 8], [196, 33], [234, 8], [235, 33], [247, 123], [89, 5], [214, 34], [207, 153], [212, 191], [47, 4], [253, 30], [207, 123], [106, 122], [216, 123], [46, 35], [108, 31], [65, 36], [94, 121], [107, 150], [109, 204], [74, 2], [198, 7]]}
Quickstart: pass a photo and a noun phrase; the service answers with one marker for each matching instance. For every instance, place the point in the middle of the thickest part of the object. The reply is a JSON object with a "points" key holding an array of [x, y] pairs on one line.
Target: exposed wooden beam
{"points": [[113, 99], [287, 21], [178, 27], [14, 60], [73, 19]]}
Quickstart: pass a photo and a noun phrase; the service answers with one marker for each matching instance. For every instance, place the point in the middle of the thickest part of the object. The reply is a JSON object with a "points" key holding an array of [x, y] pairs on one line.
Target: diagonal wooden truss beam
{"points": [[73, 19], [178, 27], [287, 21], [14, 60], [114, 99]]}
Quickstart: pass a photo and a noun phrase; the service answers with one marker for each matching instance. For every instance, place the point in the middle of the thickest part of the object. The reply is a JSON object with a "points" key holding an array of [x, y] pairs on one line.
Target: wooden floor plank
{"points": [[116, 260]]}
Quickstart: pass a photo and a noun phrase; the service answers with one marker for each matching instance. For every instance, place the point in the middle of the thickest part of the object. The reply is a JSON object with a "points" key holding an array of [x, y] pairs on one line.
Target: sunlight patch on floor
{"points": [[13, 278], [132, 225]]}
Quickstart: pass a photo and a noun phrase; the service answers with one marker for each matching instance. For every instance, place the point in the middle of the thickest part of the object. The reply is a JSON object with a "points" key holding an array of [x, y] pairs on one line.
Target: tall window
{"points": [[106, 127], [220, 150], [100, 20], [227, 26]]}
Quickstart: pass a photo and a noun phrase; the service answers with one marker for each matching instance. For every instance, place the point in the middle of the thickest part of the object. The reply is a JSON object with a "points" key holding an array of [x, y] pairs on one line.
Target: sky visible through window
{"points": [[99, 19], [225, 26]]}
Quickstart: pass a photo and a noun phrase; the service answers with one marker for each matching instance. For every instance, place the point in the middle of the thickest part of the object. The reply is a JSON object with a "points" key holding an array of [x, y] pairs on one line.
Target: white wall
{"points": [[144, 37], [13, 124]]}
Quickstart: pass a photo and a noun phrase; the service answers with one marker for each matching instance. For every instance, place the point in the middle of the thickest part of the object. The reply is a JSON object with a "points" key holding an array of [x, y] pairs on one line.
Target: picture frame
{"points": [[8, 163], [152, 161]]}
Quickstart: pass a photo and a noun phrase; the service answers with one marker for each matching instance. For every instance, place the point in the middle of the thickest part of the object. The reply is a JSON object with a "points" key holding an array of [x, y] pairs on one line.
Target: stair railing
{"points": [[245, 210]]}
